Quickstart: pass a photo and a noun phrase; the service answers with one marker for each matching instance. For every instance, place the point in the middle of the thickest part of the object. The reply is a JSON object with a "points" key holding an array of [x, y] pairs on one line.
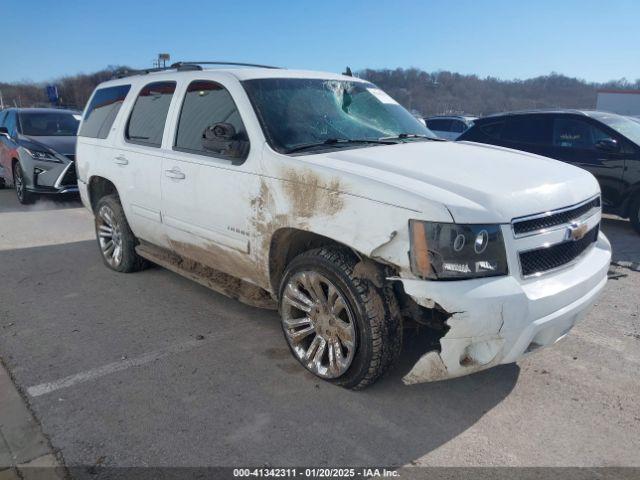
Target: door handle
{"points": [[121, 160], [175, 173]]}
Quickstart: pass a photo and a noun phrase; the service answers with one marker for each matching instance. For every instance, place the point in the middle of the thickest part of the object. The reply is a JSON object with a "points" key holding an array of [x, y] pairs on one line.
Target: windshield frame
{"points": [[321, 147], [23, 114]]}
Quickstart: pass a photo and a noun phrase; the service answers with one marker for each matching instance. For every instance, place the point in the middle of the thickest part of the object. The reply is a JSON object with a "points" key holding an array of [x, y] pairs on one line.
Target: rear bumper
{"points": [[499, 320]]}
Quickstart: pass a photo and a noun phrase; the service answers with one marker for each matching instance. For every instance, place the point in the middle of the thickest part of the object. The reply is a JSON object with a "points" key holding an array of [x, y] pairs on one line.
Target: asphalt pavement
{"points": [[151, 369]]}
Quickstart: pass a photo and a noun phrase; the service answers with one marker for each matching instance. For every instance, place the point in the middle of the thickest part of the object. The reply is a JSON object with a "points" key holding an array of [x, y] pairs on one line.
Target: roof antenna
{"points": [[348, 73]]}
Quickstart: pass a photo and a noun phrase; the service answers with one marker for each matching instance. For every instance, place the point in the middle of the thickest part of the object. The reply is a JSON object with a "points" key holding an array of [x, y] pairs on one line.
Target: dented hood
{"points": [[477, 183]]}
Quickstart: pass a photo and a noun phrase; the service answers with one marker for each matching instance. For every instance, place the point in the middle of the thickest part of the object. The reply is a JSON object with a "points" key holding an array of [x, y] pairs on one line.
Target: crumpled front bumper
{"points": [[498, 320]]}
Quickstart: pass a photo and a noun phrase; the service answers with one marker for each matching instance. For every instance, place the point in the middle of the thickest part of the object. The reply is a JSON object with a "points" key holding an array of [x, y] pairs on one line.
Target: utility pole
{"points": [[1, 101]]}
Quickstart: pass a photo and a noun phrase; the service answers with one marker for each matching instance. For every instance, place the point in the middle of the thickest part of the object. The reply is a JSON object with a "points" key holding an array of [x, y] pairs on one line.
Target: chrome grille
{"points": [[542, 260], [536, 223]]}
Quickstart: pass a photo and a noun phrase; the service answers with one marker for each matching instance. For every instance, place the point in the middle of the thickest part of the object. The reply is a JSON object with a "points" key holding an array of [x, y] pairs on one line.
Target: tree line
{"points": [[453, 93], [422, 92], [73, 90]]}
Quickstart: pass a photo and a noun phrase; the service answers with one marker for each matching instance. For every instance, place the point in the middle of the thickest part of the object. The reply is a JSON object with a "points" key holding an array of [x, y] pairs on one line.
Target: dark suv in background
{"points": [[605, 144], [37, 151]]}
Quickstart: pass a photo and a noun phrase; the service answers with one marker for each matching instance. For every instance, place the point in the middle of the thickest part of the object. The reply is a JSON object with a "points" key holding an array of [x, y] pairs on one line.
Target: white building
{"points": [[624, 102]]}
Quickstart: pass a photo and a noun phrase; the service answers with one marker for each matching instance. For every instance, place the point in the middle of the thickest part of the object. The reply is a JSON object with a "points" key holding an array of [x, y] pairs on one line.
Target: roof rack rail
{"points": [[128, 72], [181, 67], [236, 64]]}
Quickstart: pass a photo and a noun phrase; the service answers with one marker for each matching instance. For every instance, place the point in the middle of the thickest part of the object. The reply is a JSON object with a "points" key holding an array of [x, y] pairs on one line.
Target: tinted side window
{"points": [[102, 111], [457, 126], [205, 104], [528, 129], [2, 115], [149, 114], [574, 133], [441, 124]]}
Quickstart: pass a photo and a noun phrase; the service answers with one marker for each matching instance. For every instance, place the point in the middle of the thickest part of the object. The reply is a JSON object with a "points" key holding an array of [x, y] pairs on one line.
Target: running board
{"points": [[208, 277]]}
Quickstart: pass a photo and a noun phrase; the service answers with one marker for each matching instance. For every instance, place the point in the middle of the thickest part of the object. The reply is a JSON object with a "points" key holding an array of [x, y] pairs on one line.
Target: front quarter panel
{"points": [[365, 215]]}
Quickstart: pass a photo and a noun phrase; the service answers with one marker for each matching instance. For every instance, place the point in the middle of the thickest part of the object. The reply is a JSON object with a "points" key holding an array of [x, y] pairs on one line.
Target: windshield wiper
{"points": [[340, 141], [403, 136]]}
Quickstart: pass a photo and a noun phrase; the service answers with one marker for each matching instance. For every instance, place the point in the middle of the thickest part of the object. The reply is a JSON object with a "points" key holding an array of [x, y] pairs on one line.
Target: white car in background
{"points": [[320, 196], [449, 127]]}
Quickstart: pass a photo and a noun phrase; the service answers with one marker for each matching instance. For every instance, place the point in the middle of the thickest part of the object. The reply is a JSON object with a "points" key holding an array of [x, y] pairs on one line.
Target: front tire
{"points": [[24, 197], [634, 213], [340, 327], [116, 240]]}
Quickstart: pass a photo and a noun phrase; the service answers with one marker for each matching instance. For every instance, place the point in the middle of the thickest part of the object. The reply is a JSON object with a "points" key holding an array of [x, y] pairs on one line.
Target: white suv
{"points": [[319, 195]]}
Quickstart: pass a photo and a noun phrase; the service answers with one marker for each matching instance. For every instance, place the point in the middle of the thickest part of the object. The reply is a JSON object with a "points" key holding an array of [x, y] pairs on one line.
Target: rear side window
{"points": [[440, 124], [102, 111], [535, 129], [206, 104], [149, 114]]}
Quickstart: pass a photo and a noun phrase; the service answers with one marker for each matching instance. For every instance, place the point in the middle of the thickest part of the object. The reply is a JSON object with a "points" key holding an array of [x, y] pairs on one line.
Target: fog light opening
{"points": [[481, 353]]}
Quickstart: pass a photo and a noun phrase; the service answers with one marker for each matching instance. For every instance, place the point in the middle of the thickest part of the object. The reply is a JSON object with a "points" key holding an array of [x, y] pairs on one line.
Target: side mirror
{"points": [[5, 131], [608, 145], [222, 139]]}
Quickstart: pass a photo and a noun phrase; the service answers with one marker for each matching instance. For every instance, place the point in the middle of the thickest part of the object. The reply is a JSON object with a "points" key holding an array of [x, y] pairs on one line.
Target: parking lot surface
{"points": [[150, 369]]}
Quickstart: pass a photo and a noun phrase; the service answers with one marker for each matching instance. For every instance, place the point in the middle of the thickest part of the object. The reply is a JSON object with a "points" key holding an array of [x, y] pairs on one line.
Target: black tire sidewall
{"points": [[364, 348]]}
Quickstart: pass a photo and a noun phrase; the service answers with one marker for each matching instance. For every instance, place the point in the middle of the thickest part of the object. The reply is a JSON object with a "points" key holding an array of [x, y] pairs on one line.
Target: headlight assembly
{"points": [[449, 251], [42, 156]]}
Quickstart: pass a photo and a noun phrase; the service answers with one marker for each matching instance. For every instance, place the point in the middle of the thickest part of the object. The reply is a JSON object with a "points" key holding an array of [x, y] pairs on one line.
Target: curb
{"points": [[25, 452]]}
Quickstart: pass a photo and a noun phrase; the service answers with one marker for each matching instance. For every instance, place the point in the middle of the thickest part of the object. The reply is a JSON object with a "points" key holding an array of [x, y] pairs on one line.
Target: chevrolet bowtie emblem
{"points": [[576, 231]]}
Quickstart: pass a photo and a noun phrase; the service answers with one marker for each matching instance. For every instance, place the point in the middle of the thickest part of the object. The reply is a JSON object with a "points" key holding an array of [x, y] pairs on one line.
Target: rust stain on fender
{"points": [[289, 202], [309, 195]]}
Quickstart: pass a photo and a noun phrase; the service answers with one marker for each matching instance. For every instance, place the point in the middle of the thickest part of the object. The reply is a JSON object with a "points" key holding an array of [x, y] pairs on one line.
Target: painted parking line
{"points": [[94, 373]]}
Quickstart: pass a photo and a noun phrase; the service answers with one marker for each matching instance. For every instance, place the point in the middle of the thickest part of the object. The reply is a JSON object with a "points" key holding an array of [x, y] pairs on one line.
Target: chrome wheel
{"points": [[18, 181], [318, 324], [109, 236]]}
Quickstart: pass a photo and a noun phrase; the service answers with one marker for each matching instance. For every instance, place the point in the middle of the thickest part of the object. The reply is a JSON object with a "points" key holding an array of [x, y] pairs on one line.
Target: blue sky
{"points": [[594, 40]]}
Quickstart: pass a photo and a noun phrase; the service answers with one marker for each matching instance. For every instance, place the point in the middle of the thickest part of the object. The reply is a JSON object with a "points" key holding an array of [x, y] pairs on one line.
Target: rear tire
{"points": [[116, 240], [634, 213], [335, 302], [24, 197]]}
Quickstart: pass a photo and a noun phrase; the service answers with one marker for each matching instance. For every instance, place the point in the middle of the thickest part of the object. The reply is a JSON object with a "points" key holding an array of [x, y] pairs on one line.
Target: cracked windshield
{"points": [[309, 114]]}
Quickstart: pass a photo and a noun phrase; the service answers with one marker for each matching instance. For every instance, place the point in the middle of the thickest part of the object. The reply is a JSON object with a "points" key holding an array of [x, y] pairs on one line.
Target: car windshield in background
{"points": [[49, 124], [296, 113], [622, 125]]}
